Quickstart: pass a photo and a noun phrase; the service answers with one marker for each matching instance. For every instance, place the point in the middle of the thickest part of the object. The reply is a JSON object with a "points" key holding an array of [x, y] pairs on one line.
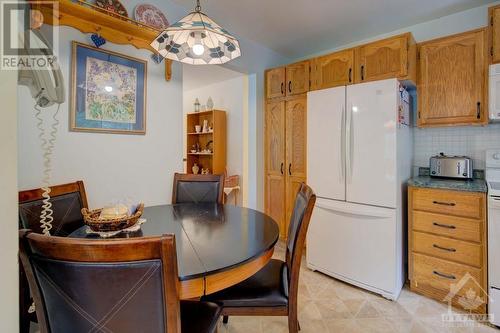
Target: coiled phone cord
{"points": [[46, 217]]}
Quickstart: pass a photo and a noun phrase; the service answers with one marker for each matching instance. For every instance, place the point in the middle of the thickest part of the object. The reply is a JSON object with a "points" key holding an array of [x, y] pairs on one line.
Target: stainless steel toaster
{"points": [[451, 166]]}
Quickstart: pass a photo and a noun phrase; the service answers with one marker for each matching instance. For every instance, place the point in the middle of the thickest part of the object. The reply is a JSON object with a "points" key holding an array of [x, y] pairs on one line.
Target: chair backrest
{"points": [[113, 285], [198, 188], [67, 202], [297, 230]]}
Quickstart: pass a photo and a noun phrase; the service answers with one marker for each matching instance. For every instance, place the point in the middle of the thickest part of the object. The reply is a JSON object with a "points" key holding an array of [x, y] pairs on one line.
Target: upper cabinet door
{"points": [[384, 59], [332, 70], [494, 14], [452, 80], [296, 136], [275, 82], [297, 78], [275, 138]]}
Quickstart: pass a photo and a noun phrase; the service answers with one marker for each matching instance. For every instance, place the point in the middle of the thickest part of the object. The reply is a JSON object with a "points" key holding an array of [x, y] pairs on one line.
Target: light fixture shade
{"points": [[214, 45]]}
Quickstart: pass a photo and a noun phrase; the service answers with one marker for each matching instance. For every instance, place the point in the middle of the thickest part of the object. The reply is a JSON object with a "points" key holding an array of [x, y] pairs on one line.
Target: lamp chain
{"points": [[198, 6]]}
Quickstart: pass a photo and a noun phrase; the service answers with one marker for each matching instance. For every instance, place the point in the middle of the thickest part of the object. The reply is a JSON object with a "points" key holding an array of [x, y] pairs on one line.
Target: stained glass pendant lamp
{"points": [[198, 40]]}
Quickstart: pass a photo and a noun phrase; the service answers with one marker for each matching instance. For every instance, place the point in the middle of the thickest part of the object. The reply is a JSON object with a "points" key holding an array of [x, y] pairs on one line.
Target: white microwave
{"points": [[494, 107]]}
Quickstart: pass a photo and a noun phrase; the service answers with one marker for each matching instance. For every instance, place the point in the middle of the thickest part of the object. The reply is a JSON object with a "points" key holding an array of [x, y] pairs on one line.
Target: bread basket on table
{"points": [[93, 219]]}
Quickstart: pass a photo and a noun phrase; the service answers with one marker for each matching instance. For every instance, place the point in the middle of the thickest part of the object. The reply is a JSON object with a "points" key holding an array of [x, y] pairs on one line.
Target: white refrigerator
{"points": [[358, 162]]}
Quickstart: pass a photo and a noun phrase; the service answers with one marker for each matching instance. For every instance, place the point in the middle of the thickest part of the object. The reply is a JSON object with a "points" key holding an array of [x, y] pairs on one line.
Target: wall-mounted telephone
{"points": [[46, 86]]}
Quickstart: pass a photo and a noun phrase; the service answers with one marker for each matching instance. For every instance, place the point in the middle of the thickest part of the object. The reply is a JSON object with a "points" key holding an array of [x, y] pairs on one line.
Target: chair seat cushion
{"points": [[267, 288], [199, 317]]}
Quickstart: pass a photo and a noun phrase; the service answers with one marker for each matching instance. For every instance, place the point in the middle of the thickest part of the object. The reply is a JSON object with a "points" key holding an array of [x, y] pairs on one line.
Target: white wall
{"points": [[229, 95], [113, 166], [8, 204]]}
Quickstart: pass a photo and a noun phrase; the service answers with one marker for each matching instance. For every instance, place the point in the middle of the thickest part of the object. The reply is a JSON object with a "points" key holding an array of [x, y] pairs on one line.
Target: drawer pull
{"points": [[447, 226], [449, 249], [446, 276], [444, 203]]}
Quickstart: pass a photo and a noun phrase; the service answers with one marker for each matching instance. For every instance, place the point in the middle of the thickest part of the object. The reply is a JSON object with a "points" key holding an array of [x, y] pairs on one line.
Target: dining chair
{"points": [[197, 188], [67, 202], [272, 291], [112, 285]]}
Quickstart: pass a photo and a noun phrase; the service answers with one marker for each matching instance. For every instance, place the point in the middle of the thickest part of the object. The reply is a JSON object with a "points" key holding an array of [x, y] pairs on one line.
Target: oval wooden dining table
{"points": [[217, 245]]}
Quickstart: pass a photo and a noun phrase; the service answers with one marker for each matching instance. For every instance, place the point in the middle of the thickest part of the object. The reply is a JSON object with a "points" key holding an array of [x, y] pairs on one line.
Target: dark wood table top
{"points": [[210, 238]]}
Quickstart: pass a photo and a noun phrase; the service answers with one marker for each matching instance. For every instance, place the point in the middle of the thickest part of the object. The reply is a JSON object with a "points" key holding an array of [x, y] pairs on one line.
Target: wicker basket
{"points": [[91, 218]]}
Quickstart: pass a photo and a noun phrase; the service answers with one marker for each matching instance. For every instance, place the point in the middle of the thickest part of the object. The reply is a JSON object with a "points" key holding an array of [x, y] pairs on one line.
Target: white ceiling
{"points": [[194, 77], [296, 28]]}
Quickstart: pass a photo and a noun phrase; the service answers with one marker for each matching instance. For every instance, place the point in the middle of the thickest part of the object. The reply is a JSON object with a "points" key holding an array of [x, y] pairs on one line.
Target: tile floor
{"points": [[328, 305]]}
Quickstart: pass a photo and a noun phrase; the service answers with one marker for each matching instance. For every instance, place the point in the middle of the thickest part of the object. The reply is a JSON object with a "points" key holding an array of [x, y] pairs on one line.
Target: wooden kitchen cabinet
{"points": [[275, 82], [387, 58], [447, 244], [452, 80], [288, 81], [494, 34], [285, 156], [332, 70]]}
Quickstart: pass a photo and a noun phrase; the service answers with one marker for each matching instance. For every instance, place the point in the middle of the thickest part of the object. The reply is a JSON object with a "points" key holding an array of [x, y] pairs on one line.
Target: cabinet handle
{"points": [[446, 276], [290, 169], [281, 167], [449, 249], [282, 86], [350, 75], [290, 86], [444, 203], [447, 226], [362, 72], [478, 110]]}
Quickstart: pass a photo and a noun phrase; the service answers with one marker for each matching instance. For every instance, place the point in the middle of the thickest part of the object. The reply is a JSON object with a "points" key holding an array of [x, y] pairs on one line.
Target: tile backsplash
{"points": [[471, 141]]}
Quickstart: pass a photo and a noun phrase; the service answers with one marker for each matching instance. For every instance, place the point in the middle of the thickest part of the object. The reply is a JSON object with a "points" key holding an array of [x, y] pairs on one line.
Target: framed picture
{"points": [[108, 91]]}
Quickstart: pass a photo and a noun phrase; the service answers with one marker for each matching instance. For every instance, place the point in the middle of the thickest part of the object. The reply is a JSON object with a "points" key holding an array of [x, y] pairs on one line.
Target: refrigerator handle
{"points": [[348, 144], [342, 145]]}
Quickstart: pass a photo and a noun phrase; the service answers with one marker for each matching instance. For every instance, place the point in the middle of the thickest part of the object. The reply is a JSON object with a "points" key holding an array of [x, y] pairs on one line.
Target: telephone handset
{"points": [[46, 86]]}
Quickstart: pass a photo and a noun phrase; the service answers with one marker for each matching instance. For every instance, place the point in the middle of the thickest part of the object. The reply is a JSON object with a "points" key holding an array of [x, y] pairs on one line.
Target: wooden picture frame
{"points": [[108, 92]]}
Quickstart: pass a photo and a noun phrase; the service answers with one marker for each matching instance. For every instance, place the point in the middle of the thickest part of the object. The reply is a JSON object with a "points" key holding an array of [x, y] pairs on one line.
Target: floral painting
{"points": [[108, 91]]}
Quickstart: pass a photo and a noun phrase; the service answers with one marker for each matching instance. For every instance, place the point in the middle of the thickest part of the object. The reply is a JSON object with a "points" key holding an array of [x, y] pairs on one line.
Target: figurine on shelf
{"points": [[205, 171], [196, 169], [196, 105], [193, 149], [210, 128], [205, 126], [210, 104]]}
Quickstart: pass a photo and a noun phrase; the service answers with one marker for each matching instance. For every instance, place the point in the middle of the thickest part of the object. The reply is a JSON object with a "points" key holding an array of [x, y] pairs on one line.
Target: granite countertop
{"points": [[474, 185]]}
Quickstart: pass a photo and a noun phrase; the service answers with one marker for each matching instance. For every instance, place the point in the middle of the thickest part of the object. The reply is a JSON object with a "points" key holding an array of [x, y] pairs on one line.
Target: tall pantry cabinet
{"points": [[285, 139]]}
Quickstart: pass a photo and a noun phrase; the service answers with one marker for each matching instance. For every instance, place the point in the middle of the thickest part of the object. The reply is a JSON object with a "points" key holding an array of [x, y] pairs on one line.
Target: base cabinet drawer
{"points": [[447, 248], [434, 278], [449, 226], [448, 202]]}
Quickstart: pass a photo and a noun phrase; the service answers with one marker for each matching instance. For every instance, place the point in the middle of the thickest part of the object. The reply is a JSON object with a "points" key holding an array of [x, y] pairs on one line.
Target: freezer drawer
{"points": [[356, 243]]}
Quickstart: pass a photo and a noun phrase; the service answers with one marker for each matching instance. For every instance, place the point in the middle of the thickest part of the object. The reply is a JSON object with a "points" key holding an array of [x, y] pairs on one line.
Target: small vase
{"points": [[195, 169], [210, 104]]}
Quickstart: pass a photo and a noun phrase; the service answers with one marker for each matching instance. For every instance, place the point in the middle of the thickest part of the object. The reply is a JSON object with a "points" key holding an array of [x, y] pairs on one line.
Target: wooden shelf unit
{"points": [[88, 18], [215, 161]]}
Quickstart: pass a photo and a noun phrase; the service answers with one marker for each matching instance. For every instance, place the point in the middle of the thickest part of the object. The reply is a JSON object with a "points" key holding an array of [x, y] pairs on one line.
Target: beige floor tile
{"points": [[342, 326], [333, 309], [375, 325]]}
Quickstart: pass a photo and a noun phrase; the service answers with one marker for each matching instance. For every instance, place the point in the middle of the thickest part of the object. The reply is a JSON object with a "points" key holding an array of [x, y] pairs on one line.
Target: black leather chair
{"points": [[198, 188], [67, 202], [116, 285], [273, 290]]}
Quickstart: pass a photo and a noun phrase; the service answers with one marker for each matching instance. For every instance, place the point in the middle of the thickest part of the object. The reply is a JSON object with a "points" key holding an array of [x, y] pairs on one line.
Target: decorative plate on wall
{"points": [[150, 15], [114, 6]]}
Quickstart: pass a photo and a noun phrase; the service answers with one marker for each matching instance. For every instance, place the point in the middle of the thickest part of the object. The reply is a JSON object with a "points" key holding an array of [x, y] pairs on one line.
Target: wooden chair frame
{"points": [[57, 190], [293, 261], [198, 178], [33, 195], [111, 250]]}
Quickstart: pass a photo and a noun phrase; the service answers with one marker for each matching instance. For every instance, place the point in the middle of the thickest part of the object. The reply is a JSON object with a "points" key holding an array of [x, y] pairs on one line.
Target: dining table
{"points": [[217, 245]]}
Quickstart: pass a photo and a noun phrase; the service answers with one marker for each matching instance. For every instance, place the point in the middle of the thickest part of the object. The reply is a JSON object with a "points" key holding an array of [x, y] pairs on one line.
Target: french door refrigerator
{"points": [[359, 159]]}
